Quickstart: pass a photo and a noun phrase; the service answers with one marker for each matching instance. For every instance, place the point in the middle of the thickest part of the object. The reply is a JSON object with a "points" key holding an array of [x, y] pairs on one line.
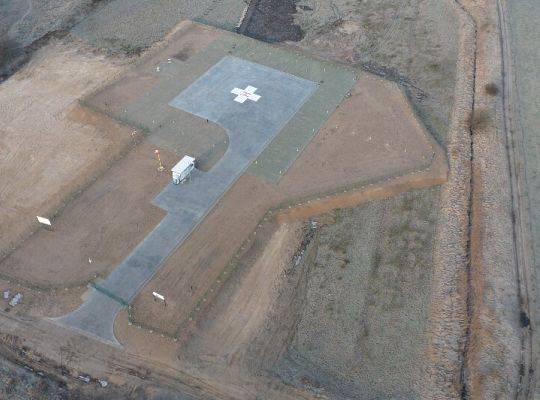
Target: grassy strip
{"points": [[109, 294]]}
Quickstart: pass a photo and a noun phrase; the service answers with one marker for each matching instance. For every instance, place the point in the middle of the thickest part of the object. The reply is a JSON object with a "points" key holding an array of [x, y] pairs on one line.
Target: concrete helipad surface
{"points": [[161, 79], [250, 124]]}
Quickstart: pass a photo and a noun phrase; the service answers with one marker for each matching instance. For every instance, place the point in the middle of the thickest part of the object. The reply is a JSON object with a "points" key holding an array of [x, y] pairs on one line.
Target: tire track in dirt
{"points": [[522, 233]]}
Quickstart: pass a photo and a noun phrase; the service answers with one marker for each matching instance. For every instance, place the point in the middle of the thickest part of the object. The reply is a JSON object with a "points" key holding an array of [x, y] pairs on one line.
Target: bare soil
{"points": [[98, 229], [39, 302], [373, 135], [239, 316], [47, 154]]}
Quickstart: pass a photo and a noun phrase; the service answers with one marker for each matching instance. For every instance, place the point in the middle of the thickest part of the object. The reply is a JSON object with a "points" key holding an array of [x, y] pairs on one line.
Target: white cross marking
{"points": [[244, 94]]}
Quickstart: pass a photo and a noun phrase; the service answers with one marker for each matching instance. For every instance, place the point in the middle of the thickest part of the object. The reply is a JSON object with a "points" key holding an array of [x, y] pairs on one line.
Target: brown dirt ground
{"points": [[36, 302], [103, 225], [47, 347], [248, 307], [372, 135], [435, 175], [45, 153]]}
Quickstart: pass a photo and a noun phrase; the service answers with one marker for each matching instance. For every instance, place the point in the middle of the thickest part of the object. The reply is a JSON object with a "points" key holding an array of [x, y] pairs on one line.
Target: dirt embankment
{"points": [[477, 346], [496, 352], [241, 310], [448, 312]]}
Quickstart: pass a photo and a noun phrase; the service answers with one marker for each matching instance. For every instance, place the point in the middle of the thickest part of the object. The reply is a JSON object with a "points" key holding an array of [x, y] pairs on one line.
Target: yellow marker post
{"points": [[160, 165]]}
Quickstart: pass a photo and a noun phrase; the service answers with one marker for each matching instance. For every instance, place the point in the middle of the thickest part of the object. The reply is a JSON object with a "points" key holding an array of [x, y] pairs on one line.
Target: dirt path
{"points": [[520, 101], [46, 347], [242, 317]]}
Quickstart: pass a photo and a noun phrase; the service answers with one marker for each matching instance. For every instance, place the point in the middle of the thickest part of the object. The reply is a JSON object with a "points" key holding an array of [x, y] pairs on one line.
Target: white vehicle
{"points": [[181, 171]]}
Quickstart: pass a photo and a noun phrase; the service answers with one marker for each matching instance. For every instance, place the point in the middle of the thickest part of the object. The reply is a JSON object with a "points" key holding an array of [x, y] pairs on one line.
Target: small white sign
{"points": [[158, 296], [43, 220]]}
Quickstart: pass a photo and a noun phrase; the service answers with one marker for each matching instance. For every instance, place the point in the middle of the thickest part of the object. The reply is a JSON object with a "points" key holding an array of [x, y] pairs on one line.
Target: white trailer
{"points": [[181, 171]]}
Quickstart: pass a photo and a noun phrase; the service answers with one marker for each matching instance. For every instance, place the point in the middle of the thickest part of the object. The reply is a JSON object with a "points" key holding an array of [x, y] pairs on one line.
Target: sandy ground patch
{"points": [[45, 154], [372, 135]]}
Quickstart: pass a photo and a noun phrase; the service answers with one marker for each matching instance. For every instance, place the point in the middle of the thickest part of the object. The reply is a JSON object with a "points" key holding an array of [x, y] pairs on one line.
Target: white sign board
{"points": [[43, 221], [158, 296]]}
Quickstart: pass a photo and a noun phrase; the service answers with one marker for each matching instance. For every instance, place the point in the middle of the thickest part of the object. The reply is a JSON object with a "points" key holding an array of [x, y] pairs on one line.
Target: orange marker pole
{"points": [[160, 165]]}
